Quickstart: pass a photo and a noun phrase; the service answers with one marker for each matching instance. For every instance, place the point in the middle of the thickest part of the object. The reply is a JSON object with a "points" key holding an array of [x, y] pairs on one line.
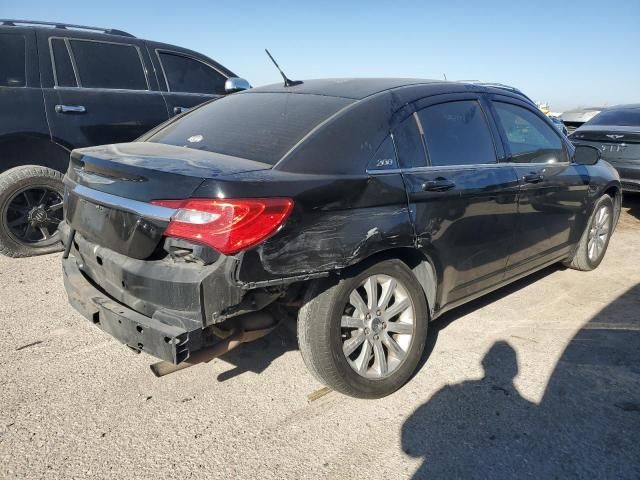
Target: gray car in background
{"points": [[574, 119], [616, 133]]}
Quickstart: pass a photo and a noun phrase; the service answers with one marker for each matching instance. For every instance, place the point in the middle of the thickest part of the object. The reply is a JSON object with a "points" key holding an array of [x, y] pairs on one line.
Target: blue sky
{"points": [[567, 53]]}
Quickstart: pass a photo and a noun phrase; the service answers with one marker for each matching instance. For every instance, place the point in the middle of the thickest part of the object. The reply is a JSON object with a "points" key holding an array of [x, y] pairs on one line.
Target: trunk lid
{"points": [[108, 190], [619, 145]]}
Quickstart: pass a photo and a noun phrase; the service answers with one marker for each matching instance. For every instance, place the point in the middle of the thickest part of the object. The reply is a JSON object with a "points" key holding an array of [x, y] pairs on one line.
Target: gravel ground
{"points": [[540, 379]]}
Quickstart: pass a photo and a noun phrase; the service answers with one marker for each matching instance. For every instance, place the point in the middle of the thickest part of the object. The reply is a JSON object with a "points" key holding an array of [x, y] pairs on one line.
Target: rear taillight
{"points": [[229, 226]]}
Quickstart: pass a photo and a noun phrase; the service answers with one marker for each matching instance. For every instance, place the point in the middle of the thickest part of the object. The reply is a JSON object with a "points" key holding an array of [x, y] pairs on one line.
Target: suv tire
{"points": [[355, 350], [30, 210]]}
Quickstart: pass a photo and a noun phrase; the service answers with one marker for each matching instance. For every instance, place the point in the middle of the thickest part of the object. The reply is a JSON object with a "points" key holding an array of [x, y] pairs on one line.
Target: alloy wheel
{"points": [[599, 233], [377, 326]]}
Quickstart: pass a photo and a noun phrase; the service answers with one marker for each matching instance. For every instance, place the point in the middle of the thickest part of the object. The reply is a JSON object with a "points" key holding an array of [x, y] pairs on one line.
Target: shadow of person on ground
{"points": [[586, 426]]}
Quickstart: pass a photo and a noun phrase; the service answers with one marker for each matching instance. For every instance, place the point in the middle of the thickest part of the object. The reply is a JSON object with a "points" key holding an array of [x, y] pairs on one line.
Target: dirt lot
{"points": [[540, 379]]}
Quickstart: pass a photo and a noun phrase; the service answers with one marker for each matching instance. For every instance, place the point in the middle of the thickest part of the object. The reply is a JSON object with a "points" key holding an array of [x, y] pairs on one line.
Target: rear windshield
{"points": [[256, 126], [629, 117]]}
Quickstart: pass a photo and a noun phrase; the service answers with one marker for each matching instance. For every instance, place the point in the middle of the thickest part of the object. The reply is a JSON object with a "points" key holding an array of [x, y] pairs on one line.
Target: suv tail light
{"points": [[229, 226]]}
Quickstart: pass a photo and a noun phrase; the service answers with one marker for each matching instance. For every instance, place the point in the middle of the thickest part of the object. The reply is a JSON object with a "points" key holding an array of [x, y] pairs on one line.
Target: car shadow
{"points": [[442, 322], [631, 203], [586, 426], [258, 355]]}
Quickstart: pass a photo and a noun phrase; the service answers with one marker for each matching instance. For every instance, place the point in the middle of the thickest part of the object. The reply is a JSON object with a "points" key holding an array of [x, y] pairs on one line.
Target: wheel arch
{"points": [[615, 192], [32, 149]]}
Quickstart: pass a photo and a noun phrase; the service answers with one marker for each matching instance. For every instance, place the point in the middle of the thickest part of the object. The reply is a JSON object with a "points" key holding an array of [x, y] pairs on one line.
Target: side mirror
{"points": [[586, 155], [235, 84]]}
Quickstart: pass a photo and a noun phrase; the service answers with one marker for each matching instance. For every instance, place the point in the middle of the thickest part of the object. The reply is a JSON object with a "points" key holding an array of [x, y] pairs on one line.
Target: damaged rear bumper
{"points": [[172, 343]]}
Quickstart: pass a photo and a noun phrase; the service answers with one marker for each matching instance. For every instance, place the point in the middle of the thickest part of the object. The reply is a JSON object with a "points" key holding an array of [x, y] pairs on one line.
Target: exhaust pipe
{"points": [[250, 327]]}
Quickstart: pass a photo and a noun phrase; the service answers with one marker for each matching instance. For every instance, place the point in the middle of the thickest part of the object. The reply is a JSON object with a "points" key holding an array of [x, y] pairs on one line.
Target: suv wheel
{"points": [[364, 335], [30, 211]]}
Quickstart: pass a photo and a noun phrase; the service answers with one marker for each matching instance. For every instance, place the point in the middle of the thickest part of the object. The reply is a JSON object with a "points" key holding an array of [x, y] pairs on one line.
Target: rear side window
{"points": [[62, 64], [108, 65], [12, 61], [408, 141], [385, 157], [457, 133], [530, 139], [257, 126], [186, 74]]}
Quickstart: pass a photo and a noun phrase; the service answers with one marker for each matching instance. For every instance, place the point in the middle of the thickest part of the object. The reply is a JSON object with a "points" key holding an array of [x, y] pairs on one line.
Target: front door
{"points": [[101, 93], [186, 81], [553, 191], [463, 202]]}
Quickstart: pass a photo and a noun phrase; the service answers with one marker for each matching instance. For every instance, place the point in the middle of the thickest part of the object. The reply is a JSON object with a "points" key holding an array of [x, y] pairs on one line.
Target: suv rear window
{"points": [[108, 65], [12, 61], [627, 117], [256, 126], [186, 74]]}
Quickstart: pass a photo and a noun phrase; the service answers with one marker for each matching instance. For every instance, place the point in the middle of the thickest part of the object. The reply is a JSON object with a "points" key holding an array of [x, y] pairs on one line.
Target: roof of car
{"points": [[354, 88]]}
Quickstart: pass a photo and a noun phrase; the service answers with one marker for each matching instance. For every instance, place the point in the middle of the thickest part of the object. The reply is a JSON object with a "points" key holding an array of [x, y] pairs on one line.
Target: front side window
{"points": [[62, 64], [456, 133], [186, 74], [108, 65], [530, 139], [12, 61]]}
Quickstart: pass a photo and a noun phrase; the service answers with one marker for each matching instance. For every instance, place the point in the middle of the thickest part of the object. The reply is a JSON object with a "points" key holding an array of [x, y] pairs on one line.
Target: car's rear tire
{"points": [[30, 210], [595, 238], [360, 343]]}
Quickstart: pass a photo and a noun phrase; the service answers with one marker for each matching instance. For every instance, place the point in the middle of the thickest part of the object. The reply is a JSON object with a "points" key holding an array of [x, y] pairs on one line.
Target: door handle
{"points": [[179, 110], [533, 178], [438, 185], [71, 109]]}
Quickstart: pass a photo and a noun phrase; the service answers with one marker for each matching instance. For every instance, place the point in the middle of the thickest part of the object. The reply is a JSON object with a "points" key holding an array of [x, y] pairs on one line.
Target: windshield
{"points": [[629, 117], [256, 126]]}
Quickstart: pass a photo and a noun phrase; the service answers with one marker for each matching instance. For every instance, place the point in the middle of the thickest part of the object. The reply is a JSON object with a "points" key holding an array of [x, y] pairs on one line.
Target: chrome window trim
{"points": [[143, 209], [180, 54]]}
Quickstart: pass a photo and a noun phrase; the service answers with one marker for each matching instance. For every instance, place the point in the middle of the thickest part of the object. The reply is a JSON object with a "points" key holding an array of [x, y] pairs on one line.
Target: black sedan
{"points": [[616, 133], [363, 207]]}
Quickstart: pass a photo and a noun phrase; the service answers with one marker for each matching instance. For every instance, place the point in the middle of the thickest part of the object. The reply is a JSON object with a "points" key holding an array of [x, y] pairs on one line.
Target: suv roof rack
{"points": [[497, 85], [65, 26]]}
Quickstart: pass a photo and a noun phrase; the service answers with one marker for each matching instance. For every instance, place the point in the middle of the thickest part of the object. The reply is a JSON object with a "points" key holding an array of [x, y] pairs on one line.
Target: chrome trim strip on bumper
{"points": [[142, 209]]}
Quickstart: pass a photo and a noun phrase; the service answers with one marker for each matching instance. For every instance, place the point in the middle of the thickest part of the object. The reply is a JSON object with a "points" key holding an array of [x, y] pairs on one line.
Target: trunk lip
{"points": [[143, 209]]}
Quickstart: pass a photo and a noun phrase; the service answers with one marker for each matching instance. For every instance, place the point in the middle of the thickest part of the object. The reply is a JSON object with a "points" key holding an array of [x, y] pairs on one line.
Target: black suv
{"points": [[369, 205], [68, 86]]}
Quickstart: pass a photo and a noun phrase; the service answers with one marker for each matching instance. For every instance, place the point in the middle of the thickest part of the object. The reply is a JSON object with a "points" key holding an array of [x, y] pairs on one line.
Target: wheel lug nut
{"points": [[376, 337], [368, 316], [378, 313], [366, 331]]}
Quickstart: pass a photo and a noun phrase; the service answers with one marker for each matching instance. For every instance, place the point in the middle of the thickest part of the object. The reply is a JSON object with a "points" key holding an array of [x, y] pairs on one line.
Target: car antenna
{"points": [[287, 82]]}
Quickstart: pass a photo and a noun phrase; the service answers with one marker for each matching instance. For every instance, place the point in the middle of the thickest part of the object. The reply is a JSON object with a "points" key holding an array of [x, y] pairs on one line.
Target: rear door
{"points": [[186, 80], [553, 191], [22, 109], [98, 92], [463, 201]]}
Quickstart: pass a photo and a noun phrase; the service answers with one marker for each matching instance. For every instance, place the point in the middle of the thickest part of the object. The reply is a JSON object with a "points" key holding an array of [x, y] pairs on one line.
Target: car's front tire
{"points": [[595, 238], [30, 210], [364, 335]]}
